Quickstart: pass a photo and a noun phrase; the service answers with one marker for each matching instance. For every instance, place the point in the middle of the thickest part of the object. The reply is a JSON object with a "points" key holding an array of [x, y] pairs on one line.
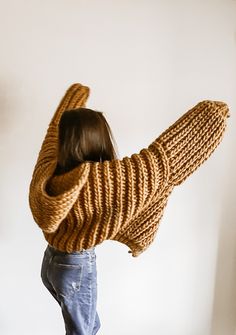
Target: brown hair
{"points": [[84, 135]]}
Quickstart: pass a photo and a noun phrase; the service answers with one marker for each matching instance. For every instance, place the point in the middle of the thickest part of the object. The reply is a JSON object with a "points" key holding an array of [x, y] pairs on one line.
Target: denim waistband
{"points": [[81, 252]]}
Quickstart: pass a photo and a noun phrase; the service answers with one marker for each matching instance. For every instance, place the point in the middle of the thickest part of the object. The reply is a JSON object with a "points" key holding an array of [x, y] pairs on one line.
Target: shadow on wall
{"points": [[224, 304]]}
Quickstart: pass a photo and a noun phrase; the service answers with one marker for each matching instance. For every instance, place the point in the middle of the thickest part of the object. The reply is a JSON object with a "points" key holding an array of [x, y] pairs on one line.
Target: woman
{"points": [[84, 135], [81, 194]]}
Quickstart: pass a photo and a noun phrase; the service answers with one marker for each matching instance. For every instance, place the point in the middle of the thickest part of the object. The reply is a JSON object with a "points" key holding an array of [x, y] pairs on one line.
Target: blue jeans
{"points": [[71, 278]]}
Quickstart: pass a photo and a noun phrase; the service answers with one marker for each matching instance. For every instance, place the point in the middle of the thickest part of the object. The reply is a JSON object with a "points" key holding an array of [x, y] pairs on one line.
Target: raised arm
{"points": [[45, 208], [193, 138], [75, 96]]}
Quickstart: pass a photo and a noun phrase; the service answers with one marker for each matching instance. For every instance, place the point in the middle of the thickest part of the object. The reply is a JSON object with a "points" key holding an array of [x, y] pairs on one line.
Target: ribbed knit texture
{"points": [[120, 200]]}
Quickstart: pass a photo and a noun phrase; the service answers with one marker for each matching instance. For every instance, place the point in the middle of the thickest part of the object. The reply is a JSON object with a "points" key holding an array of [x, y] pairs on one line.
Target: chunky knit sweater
{"points": [[120, 199]]}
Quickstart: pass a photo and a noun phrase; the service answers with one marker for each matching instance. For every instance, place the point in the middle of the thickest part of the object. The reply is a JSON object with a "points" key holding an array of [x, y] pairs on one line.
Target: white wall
{"points": [[146, 62]]}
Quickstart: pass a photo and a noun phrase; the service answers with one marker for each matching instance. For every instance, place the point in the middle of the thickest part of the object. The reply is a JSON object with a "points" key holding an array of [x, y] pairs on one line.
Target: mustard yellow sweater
{"points": [[121, 199]]}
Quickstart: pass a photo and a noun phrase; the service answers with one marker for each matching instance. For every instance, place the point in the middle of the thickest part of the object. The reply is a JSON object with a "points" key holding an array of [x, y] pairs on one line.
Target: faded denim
{"points": [[71, 278]]}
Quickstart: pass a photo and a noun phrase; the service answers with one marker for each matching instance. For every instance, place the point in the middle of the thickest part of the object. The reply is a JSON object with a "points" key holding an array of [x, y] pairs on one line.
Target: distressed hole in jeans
{"points": [[75, 285]]}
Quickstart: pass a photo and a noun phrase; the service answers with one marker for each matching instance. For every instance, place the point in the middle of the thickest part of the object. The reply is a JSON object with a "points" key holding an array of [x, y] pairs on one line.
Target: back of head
{"points": [[84, 135]]}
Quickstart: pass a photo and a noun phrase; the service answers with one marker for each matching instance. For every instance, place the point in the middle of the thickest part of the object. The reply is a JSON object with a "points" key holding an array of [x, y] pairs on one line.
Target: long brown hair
{"points": [[84, 135]]}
